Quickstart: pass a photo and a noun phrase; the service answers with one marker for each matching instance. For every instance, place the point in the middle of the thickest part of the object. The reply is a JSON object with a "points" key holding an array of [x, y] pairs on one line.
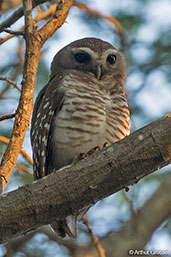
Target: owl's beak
{"points": [[98, 71]]}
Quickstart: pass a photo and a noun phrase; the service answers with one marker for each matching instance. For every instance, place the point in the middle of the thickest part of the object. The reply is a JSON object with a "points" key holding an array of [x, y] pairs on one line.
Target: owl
{"points": [[83, 106]]}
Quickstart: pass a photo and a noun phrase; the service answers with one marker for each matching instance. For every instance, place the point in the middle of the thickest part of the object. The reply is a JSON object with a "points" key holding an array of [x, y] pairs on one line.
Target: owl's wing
{"points": [[48, 103]]}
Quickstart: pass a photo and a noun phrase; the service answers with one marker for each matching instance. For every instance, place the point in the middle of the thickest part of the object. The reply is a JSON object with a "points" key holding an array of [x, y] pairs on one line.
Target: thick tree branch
{"points": [[34, 42], [55, 22], [137, 232], [90, 180], [24, 109]]}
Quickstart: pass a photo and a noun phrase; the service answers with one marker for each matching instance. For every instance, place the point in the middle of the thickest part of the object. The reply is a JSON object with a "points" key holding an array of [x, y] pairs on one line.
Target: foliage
{"points": [[146, 44]]}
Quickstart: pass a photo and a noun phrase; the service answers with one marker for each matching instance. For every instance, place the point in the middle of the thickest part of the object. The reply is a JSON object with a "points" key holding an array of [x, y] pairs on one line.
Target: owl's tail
{"points": [[65, 227]]}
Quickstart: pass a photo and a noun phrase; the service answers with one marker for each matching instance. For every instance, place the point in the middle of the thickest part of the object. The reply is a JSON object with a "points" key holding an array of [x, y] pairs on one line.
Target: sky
{"points": [[156, 105]]}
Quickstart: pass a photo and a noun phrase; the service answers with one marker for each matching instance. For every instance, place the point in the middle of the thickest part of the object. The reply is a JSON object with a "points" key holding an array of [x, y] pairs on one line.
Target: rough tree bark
{"points": [[34, 42], [104, 173], [137, 232]]}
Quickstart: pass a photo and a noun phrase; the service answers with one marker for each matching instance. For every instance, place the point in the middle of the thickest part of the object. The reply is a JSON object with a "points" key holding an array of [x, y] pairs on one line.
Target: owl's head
{"points": [[90, 55]]}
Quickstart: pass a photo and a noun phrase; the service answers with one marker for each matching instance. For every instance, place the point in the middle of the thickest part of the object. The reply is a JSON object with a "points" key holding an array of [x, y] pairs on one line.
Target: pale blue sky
{"points": [[155, 98]]}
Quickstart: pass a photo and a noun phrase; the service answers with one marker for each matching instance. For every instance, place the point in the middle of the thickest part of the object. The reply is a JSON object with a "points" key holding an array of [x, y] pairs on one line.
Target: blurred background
{"points": [[146, 44]]}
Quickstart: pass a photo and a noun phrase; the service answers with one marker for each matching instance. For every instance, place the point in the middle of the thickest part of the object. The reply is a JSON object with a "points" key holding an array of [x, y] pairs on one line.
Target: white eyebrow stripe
{"points": [[96, 55], [110, 51], [87, 50]]}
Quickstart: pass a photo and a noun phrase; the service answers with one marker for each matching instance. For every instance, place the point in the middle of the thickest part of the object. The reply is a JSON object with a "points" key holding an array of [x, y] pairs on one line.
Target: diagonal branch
{"points": [[17, 15], [40, 16], [6, 141], [11, 82], [70, 189], [55, 22], [14, 33], [111, 19], [99, 249], [138, 230], [7, 116]]}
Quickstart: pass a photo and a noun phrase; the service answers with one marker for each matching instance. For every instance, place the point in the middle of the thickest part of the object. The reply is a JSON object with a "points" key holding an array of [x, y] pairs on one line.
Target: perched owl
{"points": [[83, 106]]}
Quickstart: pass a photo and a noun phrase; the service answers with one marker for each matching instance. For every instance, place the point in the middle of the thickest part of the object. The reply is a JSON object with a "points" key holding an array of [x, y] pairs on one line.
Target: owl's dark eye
{"points": [[82, 57], [111, 58]]}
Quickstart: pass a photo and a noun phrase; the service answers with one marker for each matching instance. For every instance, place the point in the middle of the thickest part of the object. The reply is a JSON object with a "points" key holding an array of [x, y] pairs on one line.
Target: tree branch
{"points": [[99, 249], [88, 181], [9, 4], [11, 82], [6, 141], [7, 116], [137, 232], [55, 22], [17, 15], [14, 33], [111, 19], [40, 16], [34, 42], [24, 109]]}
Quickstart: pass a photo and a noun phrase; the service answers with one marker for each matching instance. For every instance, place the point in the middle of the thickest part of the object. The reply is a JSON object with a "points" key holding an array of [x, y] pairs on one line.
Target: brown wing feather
{"points": [[48, 103]]}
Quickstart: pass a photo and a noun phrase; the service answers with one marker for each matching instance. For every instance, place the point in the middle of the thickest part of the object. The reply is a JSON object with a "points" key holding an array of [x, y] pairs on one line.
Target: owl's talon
{"points": [[106, 144], [82, 156], [95, 149]]}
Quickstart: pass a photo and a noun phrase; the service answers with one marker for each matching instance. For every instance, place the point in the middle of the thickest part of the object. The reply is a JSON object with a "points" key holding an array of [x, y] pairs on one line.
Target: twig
{"points": [[15, 33], [94, 238], [111, 19], [6, 141], [17, 68], [11, 82], [40, 16], [12, 19], [17, 15], [4, 90], [22, 167], [34, 42], [26, 156], [3, 40], [19, 242], [7, 116]]}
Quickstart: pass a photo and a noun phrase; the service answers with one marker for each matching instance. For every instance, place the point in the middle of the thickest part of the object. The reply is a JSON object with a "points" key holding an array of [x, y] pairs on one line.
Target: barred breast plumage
{"points": [[83, 106], [90, 116]]}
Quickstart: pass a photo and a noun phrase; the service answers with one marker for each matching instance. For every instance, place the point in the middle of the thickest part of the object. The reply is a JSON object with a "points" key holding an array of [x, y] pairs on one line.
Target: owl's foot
{"points": [[106, 144], [95, 149], [82, 156]]}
